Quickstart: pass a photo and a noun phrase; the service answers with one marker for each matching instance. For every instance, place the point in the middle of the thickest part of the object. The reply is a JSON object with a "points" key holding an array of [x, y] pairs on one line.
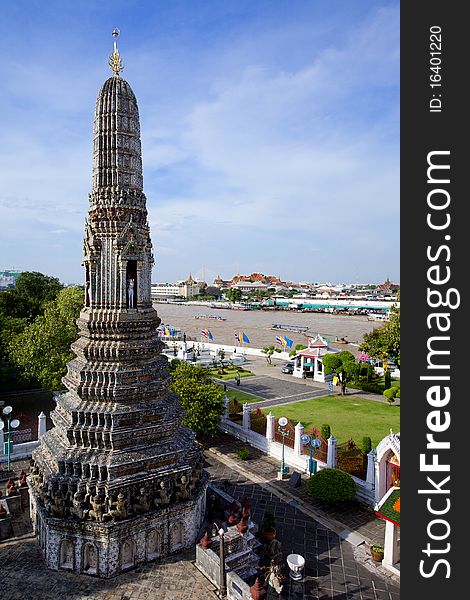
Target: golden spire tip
{"points": [[115, 61]]}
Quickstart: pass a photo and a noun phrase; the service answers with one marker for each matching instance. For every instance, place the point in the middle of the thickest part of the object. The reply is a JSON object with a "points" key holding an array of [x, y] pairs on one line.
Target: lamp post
{"points": [[314, 443], [11, 424], [281, 428], [222, 574]]}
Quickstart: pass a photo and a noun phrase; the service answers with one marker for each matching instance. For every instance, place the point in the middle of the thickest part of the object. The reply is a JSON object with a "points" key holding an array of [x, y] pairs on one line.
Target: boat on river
{"points": [[384, 317], [294, 328], [210, 317]]}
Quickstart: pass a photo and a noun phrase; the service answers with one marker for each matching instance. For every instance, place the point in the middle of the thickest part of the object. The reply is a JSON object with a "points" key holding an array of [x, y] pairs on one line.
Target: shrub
{"points": [[325, 431], [174, 363], [243, 454], [390, 394], [387, 380], [235, 406], [366, 444], [331, 485], [376, 388], [397, 395]]}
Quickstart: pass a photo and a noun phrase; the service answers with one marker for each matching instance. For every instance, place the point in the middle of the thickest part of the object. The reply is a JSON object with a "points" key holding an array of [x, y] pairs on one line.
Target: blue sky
{"points": [[270, 133]]}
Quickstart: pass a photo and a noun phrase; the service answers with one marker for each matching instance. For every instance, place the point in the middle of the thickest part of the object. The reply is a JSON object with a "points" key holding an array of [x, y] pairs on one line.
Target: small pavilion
{"points": [[309, 362], [389, 510], [387, 495]]}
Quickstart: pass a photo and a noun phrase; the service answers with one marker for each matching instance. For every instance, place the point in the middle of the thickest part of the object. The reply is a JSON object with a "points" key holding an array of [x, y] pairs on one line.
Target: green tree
{"points": [[221, 355], [384, 341], [42, 349], [201, 398], [234, 295], [341, 364], [269, 351], [297, 349]]}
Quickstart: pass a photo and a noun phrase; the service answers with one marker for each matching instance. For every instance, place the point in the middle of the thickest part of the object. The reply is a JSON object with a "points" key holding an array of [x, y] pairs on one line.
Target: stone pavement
{"points": [[25, 577], [263, 469], [334, 568]]}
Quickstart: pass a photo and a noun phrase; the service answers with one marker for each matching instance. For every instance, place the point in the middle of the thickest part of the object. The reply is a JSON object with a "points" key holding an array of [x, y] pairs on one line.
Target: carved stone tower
{"points": [[118, 481]]}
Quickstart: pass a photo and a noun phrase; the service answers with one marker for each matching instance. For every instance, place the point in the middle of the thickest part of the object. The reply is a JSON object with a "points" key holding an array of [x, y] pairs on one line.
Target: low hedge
{"points": [[331, 485]]}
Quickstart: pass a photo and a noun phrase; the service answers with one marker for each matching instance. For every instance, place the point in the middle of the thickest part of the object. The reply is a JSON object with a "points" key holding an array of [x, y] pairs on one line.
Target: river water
{"points": [[257, 325]]}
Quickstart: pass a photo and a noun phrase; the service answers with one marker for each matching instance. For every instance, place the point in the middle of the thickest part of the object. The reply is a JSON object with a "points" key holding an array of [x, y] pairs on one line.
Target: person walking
{"points": [[237, 378]]}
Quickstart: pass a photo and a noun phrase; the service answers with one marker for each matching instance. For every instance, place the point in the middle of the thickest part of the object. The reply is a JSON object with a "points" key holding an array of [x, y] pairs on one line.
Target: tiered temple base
{"points": [[107, 549]]}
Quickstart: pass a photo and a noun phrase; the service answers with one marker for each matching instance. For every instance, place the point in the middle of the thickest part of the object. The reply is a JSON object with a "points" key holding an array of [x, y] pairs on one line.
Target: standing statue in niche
{"points": [[130, 292]]}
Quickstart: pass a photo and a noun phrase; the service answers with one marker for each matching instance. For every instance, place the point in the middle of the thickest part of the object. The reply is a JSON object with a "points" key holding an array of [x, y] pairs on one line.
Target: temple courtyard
{"points": [[335, 567]]}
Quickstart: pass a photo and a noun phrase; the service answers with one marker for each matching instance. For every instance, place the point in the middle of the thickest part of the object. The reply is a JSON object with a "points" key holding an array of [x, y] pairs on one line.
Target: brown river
{"points": [[257, 325]]}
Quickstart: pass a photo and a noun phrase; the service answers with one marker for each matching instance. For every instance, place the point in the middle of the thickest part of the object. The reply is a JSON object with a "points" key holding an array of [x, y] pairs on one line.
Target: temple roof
{"points": [[389, 507]]}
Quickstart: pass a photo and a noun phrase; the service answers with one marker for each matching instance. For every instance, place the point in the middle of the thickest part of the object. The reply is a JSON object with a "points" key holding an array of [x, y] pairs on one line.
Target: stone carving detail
{"points": [[183, 491], [164, 495], [90, 559], [98, 508], [141, 503], [117, 509], [153, 544], [66, 554], [127, 554]]}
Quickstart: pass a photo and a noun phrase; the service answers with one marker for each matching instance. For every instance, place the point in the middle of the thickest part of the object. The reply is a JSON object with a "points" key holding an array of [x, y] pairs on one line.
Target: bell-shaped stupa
{"points": [[118, 480]]}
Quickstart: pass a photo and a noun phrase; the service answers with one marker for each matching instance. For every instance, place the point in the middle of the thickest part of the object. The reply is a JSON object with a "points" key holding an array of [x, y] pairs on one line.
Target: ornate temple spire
{"points": [[117, 159], [115, 61], [118, 480]]}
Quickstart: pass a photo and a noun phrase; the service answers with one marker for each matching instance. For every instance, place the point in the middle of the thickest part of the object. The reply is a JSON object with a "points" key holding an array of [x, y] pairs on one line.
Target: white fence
{"points": [[24, 450], [295, 457]]}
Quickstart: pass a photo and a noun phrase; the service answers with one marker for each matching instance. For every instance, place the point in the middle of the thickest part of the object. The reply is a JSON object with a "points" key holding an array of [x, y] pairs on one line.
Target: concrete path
{"points": [[276, 387]]}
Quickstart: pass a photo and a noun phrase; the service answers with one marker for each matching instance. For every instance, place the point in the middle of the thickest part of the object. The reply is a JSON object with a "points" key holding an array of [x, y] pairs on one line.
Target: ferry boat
{"points": [[210, 317], [295, 328], [378, 316], [240, 307]]}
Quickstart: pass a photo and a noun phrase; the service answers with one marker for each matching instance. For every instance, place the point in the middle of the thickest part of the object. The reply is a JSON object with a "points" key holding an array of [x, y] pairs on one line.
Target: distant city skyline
{"points": [[270, 134]]}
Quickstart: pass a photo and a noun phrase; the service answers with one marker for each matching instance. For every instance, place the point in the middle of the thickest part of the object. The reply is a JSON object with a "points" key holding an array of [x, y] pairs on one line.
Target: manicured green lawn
{"points": [[348, 417], [230, 373], [242, 397]]}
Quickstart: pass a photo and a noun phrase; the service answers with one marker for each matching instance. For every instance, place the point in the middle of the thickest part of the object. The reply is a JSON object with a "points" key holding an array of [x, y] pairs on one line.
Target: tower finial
{"points": [[115, 61]]}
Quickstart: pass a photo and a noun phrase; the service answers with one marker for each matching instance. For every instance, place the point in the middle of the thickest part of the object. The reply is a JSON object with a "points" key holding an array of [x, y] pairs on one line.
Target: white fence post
{"points": [[331, 457], [298, 446], [270, 427], [370, 477], [227, 406], [41, 425], [2, 443], [246, 416]]}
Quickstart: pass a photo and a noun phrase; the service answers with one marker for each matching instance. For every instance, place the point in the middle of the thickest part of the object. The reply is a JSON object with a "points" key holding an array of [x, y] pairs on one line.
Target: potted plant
{"points": [[267, 527], [377, 553]]}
